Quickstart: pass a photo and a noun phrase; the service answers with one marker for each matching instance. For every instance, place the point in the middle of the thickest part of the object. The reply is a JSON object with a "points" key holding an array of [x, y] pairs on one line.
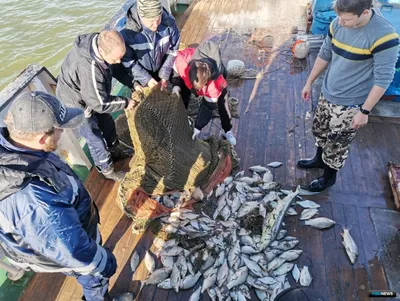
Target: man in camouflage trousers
{"points": [[360, 52]]}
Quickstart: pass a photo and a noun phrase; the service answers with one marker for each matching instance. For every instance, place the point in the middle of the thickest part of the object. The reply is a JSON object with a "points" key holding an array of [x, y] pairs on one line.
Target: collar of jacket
{"points": [[18, 166]]}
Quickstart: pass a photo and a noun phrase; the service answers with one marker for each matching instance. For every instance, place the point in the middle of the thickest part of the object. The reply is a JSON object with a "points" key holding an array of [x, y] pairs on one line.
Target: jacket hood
{"points": [[17, 165], [133, 20], [83, 43]]}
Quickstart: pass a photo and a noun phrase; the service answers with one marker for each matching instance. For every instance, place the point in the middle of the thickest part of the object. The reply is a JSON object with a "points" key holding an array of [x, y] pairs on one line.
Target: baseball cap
{"points": [[40, 112]]}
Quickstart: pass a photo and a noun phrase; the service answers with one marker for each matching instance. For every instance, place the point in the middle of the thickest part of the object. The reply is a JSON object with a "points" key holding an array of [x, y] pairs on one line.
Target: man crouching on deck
{"points": [[360, 52]]}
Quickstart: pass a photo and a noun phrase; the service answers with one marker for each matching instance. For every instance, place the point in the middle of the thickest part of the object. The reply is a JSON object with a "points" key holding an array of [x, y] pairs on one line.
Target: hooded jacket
{"points": [[209, 53], [149, 51], [48, 222], [85, 80]]}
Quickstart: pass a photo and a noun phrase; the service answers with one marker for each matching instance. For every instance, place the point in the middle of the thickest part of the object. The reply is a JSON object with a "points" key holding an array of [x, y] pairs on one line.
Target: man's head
{"points": [[111, 46], [37, 119], [150, 13], [199, 74], [353, 13]]}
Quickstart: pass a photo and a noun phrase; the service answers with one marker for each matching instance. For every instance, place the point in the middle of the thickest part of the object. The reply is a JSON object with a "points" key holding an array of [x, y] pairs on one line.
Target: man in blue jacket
{"points": [[152, 40], [48, 222]]}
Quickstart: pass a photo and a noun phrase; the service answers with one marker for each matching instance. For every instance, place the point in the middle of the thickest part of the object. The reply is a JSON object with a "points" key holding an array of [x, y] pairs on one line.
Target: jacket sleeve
{"points": [[94, 91], [131, 63], [55, 232], [166, 68], [385, 55]]}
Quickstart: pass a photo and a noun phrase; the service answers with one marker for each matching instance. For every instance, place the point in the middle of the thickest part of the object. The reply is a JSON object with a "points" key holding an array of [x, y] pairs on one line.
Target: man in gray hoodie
{"points": [[360, 52]]}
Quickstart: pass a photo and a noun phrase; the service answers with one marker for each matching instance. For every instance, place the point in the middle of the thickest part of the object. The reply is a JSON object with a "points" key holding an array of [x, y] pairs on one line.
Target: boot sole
{"points": [[309, 167]]}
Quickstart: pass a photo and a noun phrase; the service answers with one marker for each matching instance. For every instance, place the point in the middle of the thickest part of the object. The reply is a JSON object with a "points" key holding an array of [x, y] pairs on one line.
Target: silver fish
{"points": [[257, 284], [286, 245], [320, 223], [283, 269], [225, 212], [238, 278], [171, 251], [220, 190], [246, 208], [349, 245], [253, 267], [175, 277], [236, 203], [273, 221], [291, 255], [247, 241], [262, 211], [308, 213], [209, 282], [257, 177], [267, 177], [222, 274], [212, 293], [240, 296], [296, 273], [245, 291], [229, 224], [248, 250], [308, 204], [261, 295], [166, 284], [189, 281], [181, 262], [275, 263], [305, 277], [134, 261], [271, 254], [291, 211], [233, 254], [281, 234], [207, 264], [239, 174], [149, 262], [243, 231], [247, 180], [275, 164], [241, 187], [167, 261], [158, 276], [196, 295], [168, 202], [258, 168], [267, 280], [189, 215], [270, 197]]}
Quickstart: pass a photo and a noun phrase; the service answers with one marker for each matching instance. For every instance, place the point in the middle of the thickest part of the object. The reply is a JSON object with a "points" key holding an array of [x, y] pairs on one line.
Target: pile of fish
{"points": [[220, 254]]}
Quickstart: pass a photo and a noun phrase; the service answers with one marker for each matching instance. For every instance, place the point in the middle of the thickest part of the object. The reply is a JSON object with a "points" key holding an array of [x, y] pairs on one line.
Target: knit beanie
{"points": [[149, 8]]}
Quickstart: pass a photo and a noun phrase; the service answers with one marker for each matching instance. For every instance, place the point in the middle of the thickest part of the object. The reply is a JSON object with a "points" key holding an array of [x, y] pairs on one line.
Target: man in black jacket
{"points": [[85, 82]]}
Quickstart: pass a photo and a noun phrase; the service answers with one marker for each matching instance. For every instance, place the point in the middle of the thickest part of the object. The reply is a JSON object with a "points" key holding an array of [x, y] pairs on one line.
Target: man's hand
{"points": [[176, 90], [359, 120], [306, 93], [164, 85], [131, 105], [152, 83]]}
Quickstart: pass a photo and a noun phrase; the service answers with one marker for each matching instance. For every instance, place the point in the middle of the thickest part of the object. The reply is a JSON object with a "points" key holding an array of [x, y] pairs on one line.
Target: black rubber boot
{"points": [[121, 151], [315, 162], [327, 180]]}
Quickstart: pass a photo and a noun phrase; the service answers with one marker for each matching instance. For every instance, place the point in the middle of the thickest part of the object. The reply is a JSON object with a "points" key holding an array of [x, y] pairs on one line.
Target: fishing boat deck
{"points": [[276, 128]]}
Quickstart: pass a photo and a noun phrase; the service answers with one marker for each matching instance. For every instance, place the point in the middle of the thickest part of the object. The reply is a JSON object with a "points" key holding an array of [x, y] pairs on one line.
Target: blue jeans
{"points": [[100, 134]]}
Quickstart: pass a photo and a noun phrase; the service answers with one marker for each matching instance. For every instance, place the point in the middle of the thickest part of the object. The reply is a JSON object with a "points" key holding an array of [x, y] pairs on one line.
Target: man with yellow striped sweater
{"points": [[360, 52]]}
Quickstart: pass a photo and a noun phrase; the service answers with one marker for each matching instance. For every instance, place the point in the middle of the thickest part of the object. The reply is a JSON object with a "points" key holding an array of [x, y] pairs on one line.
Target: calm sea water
{"points": [[43, 31]]}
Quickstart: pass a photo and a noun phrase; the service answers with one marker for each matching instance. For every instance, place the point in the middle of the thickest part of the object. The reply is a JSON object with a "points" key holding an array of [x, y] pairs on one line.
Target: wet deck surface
{"points": [[276, 128]]}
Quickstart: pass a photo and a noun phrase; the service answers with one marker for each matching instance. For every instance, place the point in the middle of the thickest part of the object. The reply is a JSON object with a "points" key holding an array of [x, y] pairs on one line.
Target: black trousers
{"points": [[206, 108]]}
